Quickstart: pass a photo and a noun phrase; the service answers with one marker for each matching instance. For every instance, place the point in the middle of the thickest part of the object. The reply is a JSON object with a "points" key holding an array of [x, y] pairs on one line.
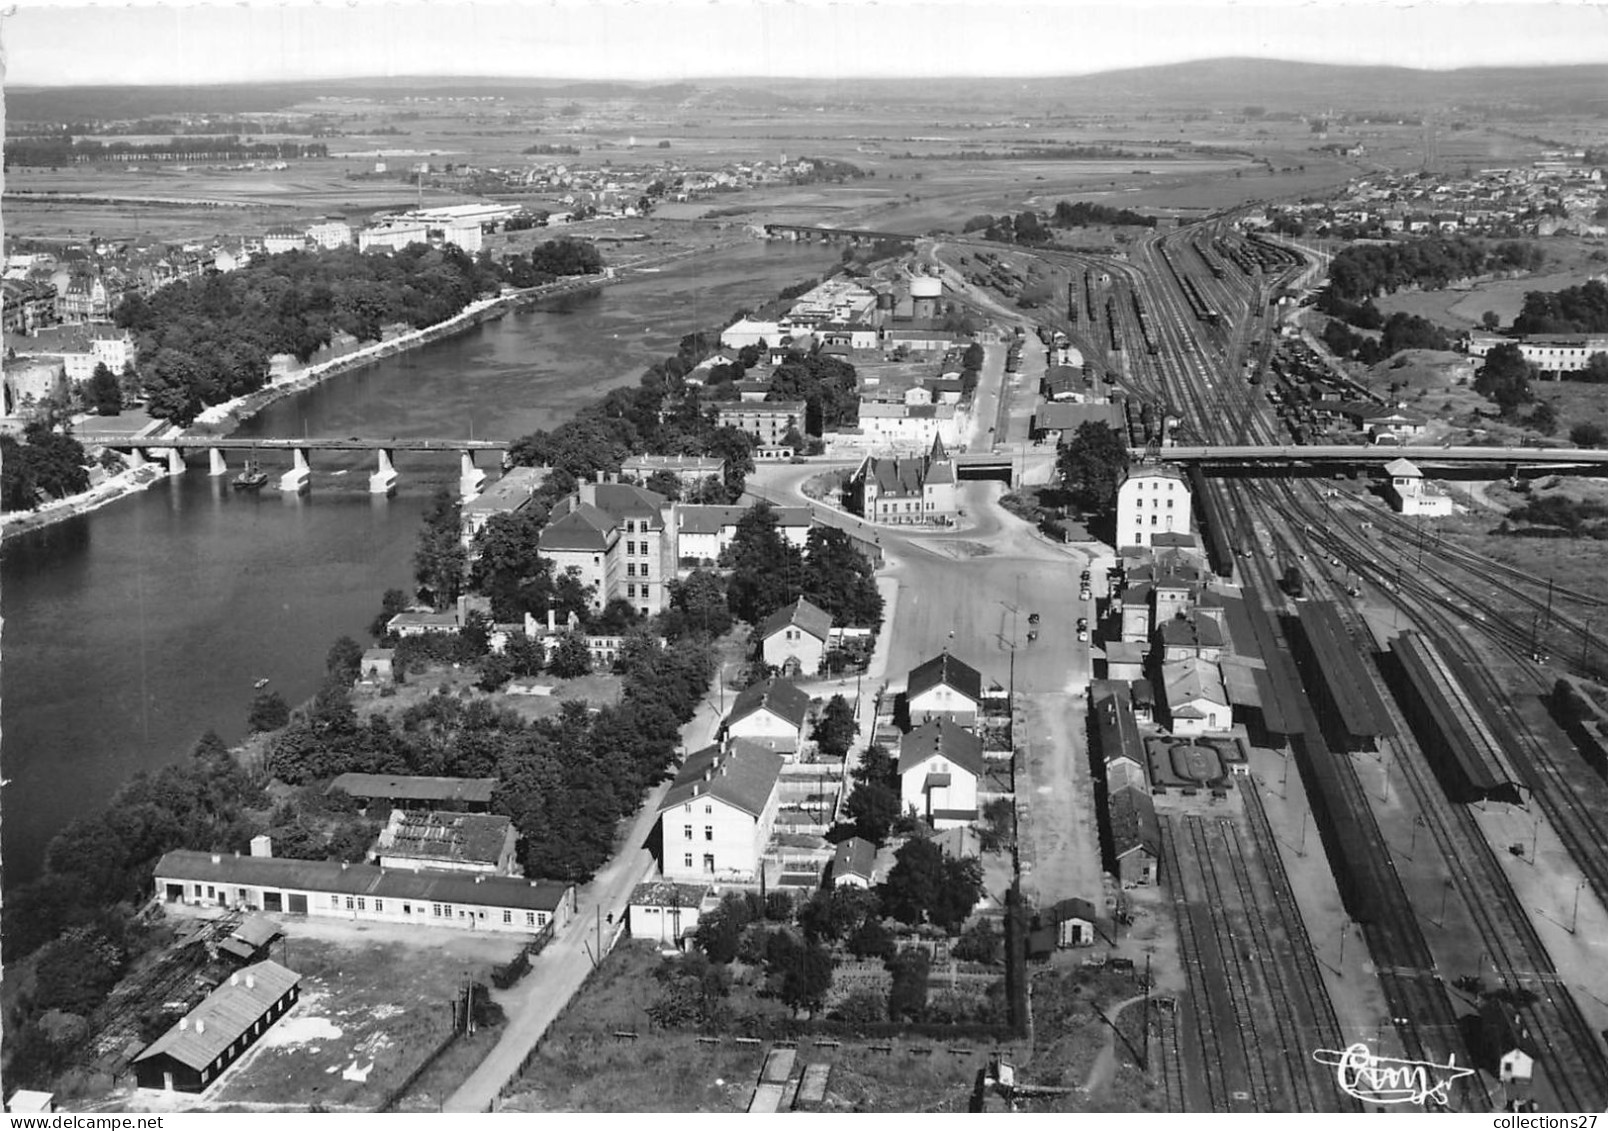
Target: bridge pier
{"points": [[175, 461], [296, 480], [216, 465], [137, 458], [470, 478], [383, 481]]}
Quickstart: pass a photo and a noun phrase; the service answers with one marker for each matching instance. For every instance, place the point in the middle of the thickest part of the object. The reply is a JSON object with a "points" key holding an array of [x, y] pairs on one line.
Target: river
{"points": [[132, 630]]}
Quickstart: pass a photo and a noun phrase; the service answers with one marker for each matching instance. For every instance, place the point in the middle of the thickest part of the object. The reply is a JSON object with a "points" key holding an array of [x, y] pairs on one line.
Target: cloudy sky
{"points": [[61, 42]]}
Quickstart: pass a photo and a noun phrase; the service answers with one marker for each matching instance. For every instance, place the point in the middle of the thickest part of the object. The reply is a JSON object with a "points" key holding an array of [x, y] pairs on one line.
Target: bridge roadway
{"points": [[125, 442]]}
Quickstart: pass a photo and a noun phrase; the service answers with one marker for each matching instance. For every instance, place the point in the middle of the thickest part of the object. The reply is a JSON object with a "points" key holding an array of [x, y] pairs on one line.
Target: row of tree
{"points": [[1364, 271], [1573, 310], [1401, 331]]}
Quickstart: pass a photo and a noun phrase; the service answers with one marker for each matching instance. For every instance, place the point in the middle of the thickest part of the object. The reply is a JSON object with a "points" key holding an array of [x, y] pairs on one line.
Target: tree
{"points": [[871, 939], [438, 564], [1092, 465], [1505, 377], [572, 658], [1490, 320], [925, 885], [838, 578], [1543, 418], [1588, 435], [269, 711], [1596, 370], [835, 729], [872, 808], [907, 996], [766, 572], [394, 601], [700, 601], [801, 971], [981, 942], [104, 394], [345, 660], [509, 568], [666, 483]]}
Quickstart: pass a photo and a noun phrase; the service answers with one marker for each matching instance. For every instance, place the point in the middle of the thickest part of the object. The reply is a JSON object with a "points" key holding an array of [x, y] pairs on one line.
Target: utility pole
{"points": [[1574, 916]]}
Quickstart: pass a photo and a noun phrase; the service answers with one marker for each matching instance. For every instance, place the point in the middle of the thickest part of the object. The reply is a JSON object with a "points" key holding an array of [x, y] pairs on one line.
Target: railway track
{"points": [[1309, 982], [1172, 1060], [1265, 1094], [1230, 1069], [1573, 1057]]}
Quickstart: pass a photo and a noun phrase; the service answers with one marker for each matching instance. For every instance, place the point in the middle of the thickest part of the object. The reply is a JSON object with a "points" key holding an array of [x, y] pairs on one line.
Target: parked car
{"points": [[1032, 636], [1032, 618]]}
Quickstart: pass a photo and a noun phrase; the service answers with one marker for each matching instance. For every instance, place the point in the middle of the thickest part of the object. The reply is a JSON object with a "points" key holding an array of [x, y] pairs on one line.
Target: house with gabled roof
{"points": [[717, 818], [854, 863], [771, 714], [1135, 835], [1197, 702], [192, 1055], [620, 539], [940, 765], [794, 638], [944, 688]]}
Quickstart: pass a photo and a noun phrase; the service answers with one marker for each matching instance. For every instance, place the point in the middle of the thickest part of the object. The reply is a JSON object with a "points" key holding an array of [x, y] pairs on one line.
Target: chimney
{"points": [[552, 619], [234, 979], [251, 981], [262, 845], [479, 878], [200, 1025], [217, 858], [184, 1024], [709, 772]]}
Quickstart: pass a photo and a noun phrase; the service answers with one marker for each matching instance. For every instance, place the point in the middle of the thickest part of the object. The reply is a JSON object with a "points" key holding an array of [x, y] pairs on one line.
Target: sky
{"points": [[66, 42]]}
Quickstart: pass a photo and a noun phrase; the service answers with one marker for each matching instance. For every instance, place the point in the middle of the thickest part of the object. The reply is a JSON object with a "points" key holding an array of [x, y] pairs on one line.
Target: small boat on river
{"points": [[251, 479]]}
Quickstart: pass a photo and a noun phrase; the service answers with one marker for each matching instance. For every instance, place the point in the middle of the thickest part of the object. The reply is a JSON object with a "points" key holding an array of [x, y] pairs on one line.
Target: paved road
{"points": [[557, 973]]}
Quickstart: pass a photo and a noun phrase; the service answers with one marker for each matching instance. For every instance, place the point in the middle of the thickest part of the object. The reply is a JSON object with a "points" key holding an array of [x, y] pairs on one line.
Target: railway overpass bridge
{"points": [[174, 448], [832, 235], [1274, 459]]}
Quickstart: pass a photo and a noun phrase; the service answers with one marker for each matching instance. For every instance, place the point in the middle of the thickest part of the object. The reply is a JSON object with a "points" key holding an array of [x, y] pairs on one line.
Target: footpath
{"points": [[559, 971]]}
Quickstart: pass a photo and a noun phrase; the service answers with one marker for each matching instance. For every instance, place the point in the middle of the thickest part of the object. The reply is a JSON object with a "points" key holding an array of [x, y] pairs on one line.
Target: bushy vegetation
{"points": [[1555, 516], [1573, 310], [1402, 331], [45, 464], [1364, 271]]}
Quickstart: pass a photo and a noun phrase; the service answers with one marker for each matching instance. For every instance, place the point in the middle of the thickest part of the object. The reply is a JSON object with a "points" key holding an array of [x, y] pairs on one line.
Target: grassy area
{"points": [[375, 1008]]}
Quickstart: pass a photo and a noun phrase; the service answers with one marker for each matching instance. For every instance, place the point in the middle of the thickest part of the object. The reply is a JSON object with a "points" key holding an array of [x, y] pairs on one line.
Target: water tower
{"points": [[925, 292]]}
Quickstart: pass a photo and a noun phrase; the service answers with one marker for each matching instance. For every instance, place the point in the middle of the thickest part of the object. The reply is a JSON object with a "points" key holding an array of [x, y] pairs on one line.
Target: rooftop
{"points": [[779, 696], [743, 777], [469, 838], [942, 738], [402, 787], [802, 615], [224, 1016], [947, 670]]}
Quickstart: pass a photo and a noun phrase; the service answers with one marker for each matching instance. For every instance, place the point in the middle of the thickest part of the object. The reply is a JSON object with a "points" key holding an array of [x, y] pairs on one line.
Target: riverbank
{"points": [[222, 419]]}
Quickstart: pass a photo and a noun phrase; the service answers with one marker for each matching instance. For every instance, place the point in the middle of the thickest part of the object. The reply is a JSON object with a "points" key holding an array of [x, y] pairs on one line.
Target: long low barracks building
{"points": [[363, 891]]}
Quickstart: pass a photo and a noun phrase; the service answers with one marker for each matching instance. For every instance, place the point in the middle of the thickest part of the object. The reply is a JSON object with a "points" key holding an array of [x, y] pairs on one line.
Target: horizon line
{"points": [[734, 80]]}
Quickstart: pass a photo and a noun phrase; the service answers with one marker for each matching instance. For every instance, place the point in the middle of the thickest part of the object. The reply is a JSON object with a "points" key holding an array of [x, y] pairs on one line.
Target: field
{"points": [[583, 1066], [376, 1000]]}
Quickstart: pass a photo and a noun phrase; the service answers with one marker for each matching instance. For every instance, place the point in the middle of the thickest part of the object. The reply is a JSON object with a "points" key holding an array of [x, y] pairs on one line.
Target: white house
{"points": [[717, 818], [939, 765], [364, 892], [1196, 700], [329, 233], [1153, 499], [665, 912], [795, 637], [944, 688], [704, 530], [854, 864], [1410, 493], [771, 714]]}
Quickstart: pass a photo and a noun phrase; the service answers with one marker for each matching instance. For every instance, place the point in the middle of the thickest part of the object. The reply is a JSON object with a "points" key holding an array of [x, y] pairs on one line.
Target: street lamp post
{"points": [[1574, 916], [1446, 886]]}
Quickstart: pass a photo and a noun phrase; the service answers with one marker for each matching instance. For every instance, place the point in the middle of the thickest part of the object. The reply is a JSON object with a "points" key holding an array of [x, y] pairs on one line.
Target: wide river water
{"points": [[132, 630]]}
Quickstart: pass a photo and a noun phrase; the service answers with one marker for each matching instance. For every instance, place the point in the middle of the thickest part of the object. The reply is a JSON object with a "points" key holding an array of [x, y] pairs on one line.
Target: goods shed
{"points": [[1349, 707]]}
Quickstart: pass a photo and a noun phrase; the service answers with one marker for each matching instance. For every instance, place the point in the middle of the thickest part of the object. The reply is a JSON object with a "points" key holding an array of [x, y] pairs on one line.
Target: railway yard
{"points": [[1409, 682]]}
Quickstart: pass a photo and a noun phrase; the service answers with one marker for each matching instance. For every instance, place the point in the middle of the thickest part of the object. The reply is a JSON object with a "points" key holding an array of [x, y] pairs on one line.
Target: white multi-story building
{"points": [[620, 539], [717, 818], [1550, 353], [1153, 499], [330, 233]]}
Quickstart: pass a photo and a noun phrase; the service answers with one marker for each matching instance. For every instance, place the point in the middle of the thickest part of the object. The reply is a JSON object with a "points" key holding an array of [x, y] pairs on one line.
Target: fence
{"points": [[394, 1096]]}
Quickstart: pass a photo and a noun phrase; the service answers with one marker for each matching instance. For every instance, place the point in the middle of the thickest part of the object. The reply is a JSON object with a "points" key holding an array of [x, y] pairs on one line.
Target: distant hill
{"points": [[1221, 84]]}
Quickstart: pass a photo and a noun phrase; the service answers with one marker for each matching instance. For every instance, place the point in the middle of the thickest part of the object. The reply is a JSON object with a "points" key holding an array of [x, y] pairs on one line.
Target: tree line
{"points": [[44, 464], [1573, 310], [210, 340], [1364, 271], [1028, 227], [52, 152]]}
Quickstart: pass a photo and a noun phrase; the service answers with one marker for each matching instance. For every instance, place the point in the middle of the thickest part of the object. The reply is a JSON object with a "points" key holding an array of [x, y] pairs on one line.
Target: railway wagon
{"points": [[1212, 520]]}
